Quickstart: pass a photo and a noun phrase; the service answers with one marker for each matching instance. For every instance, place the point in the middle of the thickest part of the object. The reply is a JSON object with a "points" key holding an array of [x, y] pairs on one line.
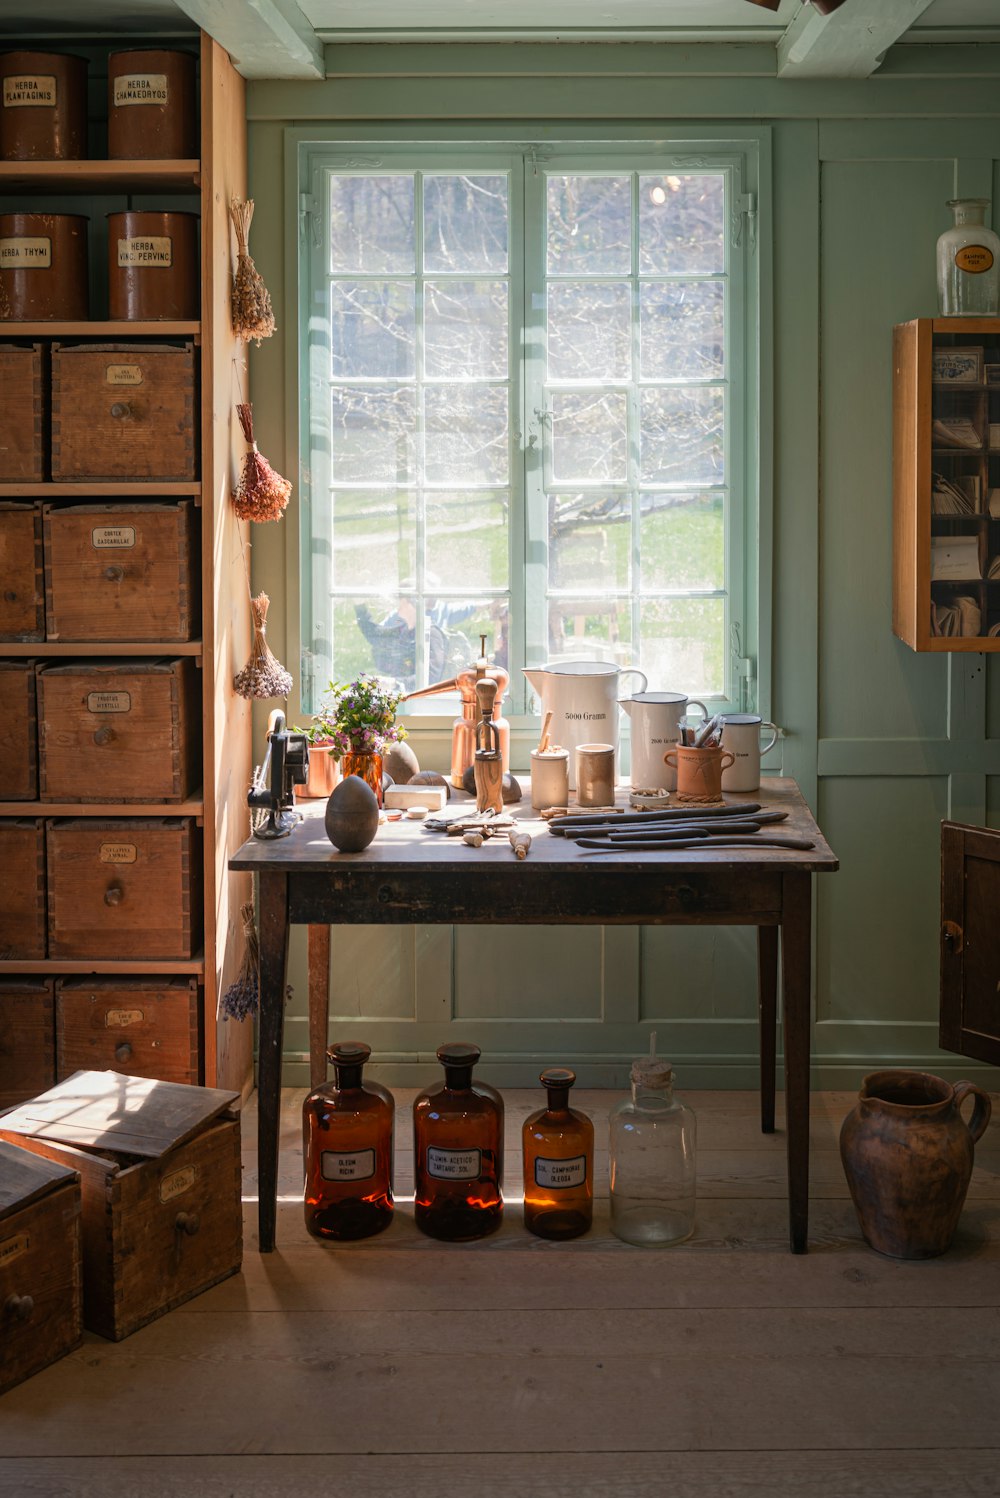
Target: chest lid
{"points": [[25, 1177], [103, 1110]]}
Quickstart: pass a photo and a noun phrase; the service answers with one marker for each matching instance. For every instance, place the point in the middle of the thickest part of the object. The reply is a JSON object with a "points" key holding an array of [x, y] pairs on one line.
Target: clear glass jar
{"points": [[652, 1161], [968, 262]]}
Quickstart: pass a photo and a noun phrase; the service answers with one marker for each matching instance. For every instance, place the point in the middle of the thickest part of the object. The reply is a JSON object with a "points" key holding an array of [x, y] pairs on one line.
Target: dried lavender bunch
{"points": [[261, 493], [253, 316], [263, 675], [241, 997]]}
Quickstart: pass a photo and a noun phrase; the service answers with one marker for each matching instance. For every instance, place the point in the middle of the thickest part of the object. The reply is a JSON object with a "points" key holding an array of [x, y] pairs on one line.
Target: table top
{"points": [[408, 845]]}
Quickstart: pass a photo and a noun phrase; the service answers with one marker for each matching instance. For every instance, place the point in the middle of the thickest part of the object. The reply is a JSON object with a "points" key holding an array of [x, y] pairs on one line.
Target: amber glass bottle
{"points": [[348, 1134], [558, 1147], [458, 1152]]}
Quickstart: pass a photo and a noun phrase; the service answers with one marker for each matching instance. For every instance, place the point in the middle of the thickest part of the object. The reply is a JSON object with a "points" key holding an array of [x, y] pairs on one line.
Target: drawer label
{"points": [[118, 853], [13, 1248], [154, 249], [177, 1182], [118, 1019], [112, 535], [974, 259], [35, 253], [454, 1165], [359, 1165], [561, 1175], [109, 702], [140, 88], [35, 89], [122, 374]]}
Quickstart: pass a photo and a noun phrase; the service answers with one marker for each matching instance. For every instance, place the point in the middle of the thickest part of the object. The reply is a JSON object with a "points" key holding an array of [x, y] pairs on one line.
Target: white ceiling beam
{"points": [[850, 43], [265, 38]]}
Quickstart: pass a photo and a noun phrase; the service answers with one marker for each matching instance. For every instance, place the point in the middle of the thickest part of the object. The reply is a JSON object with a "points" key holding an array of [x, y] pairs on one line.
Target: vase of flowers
{"points": [[358, 719]]}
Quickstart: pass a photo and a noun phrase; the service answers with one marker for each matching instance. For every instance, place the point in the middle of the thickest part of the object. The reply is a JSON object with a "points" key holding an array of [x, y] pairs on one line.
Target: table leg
{"points": [[273, 918], [796, 984], [767, 1019], [319, 1002]]}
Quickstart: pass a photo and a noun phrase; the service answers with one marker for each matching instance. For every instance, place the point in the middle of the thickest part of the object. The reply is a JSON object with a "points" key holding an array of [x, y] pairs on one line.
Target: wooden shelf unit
{"points": [[917, 399], [94, 329], [89, 489], [192, 808], [81, 649], [99, 177], [56, 966]]}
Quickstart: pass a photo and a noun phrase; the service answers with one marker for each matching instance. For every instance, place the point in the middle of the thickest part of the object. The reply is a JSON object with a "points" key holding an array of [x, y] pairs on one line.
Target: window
{"points": [[530, 414]]}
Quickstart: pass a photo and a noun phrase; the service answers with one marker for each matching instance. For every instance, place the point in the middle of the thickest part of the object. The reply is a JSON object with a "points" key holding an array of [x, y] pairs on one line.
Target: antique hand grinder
{"points": [[286, 764], [465, 727], [488, 761]]}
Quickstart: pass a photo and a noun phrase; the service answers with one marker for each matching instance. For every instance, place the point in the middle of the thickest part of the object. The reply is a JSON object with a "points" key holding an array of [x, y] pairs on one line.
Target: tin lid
{"points": [[652, 1072]]}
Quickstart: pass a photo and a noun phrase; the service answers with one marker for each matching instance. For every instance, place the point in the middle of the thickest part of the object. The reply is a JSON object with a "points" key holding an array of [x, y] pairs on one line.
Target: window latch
{"points": [[746, 671], [308, 218], [745, 212]]}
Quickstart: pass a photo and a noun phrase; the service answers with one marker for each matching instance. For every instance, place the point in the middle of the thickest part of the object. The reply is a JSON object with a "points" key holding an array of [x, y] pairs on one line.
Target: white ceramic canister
{"points": [[656, 719], [583, 699], [549, 778], [741, 737]]}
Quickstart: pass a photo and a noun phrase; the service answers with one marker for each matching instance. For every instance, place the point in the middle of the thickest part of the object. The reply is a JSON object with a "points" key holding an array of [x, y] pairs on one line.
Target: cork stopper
{"points": [[652, 1073]]}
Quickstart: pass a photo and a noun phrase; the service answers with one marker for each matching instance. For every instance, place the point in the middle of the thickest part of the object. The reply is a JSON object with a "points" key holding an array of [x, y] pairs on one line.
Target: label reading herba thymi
{"points": [[37, 90], [118, 853], [109, 702], [359, 1165], [454, 1165], [558, 1175], [151, 249], [35, 254], [103, 536], [140, 88]]}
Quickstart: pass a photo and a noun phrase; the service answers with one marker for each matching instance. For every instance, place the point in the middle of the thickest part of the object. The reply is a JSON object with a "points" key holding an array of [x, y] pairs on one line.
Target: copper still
{"points": [[463, 728], [43, 106]]}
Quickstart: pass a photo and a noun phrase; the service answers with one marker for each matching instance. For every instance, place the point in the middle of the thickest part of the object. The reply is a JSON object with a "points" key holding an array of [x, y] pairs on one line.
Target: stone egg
{"points": [[431, 777], [352, 815], [401, 763]]}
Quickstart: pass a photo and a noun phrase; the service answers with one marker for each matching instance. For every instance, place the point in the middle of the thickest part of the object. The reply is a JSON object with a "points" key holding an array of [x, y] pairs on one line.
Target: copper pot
{"points": [[324, 773], [43, 106], [43, 265], [152, 265], [152, 106]]}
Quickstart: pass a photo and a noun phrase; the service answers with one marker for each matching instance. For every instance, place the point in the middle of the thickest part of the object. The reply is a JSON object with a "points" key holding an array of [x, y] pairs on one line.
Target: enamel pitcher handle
{"points": [[980, 1113], [634, 671], [771, 741], [693, 702]]}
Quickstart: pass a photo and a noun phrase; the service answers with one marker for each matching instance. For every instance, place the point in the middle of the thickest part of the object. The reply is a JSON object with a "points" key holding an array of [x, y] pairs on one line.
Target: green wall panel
{"points": [[697, 972], [537, 973], [372, 973]]}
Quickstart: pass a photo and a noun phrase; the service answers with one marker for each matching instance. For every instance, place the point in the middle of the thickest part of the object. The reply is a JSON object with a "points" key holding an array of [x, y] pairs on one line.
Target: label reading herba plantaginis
{"points": [[29, 91]]}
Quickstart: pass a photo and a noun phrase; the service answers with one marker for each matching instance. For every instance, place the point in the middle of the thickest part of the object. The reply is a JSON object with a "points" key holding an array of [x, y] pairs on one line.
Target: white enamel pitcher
{"points": [[583, 699], [656, 719]]}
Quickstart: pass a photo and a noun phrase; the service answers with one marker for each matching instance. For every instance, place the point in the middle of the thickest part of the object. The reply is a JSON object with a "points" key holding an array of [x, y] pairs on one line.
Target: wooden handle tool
{"points": [[520, 842]]}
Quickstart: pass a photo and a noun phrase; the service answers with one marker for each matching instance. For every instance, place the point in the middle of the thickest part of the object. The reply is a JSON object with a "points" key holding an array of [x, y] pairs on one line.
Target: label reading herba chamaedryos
{"points": [[152, 249], [120, 1019], [140, 88], [122, 374], [103, 536], [29, 90], [974, 259], [118, 853], [559, 1175], [358, 1165], [454, 1165], [34, 254], [109, 702]]}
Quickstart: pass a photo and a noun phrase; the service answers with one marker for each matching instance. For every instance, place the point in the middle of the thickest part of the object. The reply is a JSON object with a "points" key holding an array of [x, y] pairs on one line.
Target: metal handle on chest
{"points": [[114, 574], [19, 1307], [104, 735], [123, 1051], [187, 1222], [114, 894], [120, 410]]}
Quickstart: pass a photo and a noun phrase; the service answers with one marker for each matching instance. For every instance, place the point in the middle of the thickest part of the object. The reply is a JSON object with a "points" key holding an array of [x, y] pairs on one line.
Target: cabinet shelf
{"points": [[128, 177], [84, 648], [102, 808], [86, 489], [45, 966], [92, 328]]}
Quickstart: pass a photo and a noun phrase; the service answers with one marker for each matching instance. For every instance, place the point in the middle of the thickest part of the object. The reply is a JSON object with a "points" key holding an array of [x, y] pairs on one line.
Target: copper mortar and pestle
{"points": [[463, 728]]}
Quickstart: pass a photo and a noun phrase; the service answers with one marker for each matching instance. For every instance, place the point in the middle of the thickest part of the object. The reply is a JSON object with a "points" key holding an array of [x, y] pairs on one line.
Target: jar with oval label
{"points": [[968, 262], [152, 266], [348, 1129], [43, 106], [43, 266], [152, 105]]}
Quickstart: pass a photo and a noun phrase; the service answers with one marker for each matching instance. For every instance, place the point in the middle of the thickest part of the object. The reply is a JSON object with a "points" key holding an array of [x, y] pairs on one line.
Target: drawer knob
{"points": [[120, 410], [114, 574], [19, 1307], [114, 894], [123, 1051], [104, 735], [187, 1222], [9, 596]]}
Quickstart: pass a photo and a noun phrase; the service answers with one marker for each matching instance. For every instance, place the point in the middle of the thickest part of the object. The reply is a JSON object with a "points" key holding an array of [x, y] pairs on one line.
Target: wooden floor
{"points": [[519, 1369]]}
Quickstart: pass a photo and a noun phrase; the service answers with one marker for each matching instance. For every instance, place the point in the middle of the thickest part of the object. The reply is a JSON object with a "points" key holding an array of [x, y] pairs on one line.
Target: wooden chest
{"points": [[23, 412], [22, 909], [124, 888], [144, 1027], [124, 411], [122, 572], [18, 732], [41, 1281], [27, 1039], [22, 596], [119, 730], [160, 1169]]}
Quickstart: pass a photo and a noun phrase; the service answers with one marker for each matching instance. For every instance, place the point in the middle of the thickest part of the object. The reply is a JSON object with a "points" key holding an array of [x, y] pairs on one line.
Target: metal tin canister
{"points": [[152, 265], [43, 265], [152, 106], [43, 106]]}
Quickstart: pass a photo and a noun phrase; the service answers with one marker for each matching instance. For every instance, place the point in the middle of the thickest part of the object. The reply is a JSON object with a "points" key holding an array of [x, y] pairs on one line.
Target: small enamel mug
{"points": [[699, 771], [741, 737]]}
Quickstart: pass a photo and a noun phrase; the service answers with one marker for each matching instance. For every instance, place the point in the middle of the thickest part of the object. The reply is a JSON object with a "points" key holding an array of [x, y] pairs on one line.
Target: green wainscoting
{"points": [[884, 742]]}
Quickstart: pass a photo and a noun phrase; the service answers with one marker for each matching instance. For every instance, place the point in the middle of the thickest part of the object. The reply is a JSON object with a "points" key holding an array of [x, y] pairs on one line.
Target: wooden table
{"points": [[411, 875]]}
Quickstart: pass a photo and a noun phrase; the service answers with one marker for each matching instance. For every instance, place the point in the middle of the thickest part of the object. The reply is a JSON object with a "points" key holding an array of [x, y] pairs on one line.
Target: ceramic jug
{"points": [[656, 719], [583, 699], [907, 1154]]}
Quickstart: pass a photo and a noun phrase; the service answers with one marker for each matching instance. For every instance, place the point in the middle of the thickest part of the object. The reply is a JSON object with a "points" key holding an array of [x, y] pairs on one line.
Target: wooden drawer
{"points": [[18, 732], [122, 572], [22, 596], [41, 1261], [140, 1027], [27, 1039], [156, 1232], [124, 888], [119, 730], [22, 909], [23, 429], [123, 411]]}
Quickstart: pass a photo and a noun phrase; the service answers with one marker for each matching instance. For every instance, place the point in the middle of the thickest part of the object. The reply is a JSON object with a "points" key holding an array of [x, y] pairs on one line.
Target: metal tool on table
{"points": [[464, 727], [488, 761], [286, 764]]}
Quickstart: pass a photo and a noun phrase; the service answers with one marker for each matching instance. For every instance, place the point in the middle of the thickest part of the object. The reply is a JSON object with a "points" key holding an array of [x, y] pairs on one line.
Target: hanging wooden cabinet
{"points": [[970, 941]]}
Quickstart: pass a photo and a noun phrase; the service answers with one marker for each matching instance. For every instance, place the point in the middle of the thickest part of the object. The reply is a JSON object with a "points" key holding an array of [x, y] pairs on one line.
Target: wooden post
{"points": [[273, 907], [796, 985]]}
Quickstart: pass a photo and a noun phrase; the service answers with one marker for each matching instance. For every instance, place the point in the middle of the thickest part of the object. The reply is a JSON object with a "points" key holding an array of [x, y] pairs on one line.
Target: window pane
{"points": [[592, 629], [590, 541], [466, 434], [681, 330], [379, 633], [465, 224], [589, 437], [374, 539], [467, 539], [682, 540], [465, 330], [372, 329], [371, 434], [681, 223], [589, 225], [681, 438], [589, 334], [682, 645], [371, 225], [453, 630]]}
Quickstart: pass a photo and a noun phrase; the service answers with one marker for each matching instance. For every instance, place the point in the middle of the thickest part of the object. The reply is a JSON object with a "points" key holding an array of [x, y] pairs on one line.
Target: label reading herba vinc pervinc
{"points": [[150, 250]]}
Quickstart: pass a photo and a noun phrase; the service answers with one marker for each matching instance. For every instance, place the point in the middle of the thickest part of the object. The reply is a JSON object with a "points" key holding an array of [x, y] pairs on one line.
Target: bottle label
{"points": [[561, 1175], [109, 702], [359, 1165], [454, 1165], [155, 249], [29, 89], [35, 253], [974, 259], [140, 88]]}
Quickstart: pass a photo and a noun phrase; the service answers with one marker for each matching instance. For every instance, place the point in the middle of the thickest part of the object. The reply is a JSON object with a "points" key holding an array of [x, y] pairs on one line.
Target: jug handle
{"points": [[634, 671], [980, 1113], [693, 702]]}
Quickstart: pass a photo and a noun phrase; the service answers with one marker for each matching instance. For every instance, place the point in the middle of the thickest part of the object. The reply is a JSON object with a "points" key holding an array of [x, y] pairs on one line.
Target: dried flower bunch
{"points": [[360, 716], [240, 999], [263, 675], [261, 493], [251, 302]]}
